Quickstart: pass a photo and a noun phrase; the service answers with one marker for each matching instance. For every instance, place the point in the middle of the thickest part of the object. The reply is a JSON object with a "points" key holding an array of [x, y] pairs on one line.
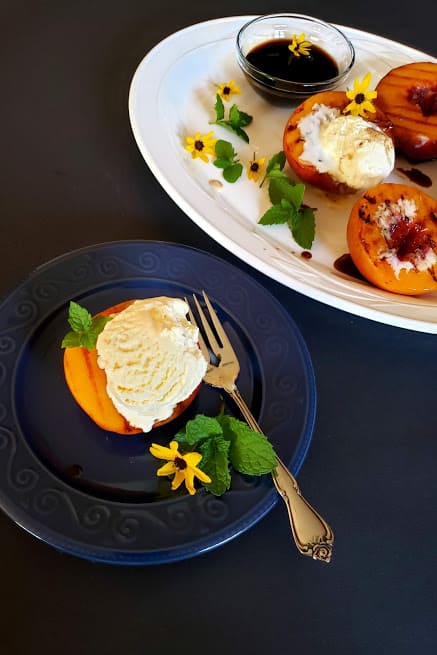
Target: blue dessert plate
{"points": [[95, 494]]}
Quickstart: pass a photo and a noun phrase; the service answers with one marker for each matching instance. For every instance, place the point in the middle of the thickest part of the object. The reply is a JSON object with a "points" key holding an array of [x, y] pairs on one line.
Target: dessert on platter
{"points": [[293, 230], [335, 150], [392, 238], [408, 95]]}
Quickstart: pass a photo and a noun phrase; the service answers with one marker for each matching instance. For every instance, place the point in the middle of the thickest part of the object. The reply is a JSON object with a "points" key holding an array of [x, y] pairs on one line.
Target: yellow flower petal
{"points": [[349, 109], [167, 469], [299, 45], [255, 168], [201, 147], [192, 459], [360, 97], [161, 452], [189, 481], [226, 89], [183, 466], [203, 477], [178, 479], [367, 106], [366, 82]]}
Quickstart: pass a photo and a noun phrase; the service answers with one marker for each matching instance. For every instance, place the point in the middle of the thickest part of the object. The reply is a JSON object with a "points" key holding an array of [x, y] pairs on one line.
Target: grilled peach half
{"points": [[293, 141], [408, 95], [392, 238], [87, 384]]}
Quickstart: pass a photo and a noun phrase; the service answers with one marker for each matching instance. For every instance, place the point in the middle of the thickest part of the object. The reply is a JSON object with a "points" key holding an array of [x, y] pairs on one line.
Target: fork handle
{"points": [[312, 535]]}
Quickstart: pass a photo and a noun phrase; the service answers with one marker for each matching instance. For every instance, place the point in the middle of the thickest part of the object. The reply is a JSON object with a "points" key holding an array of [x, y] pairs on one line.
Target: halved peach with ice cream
{"points": [[88, 383], [337, 152]]}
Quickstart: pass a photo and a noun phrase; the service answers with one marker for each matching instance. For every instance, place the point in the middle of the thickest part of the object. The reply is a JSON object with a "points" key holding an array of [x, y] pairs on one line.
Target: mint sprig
{"points": [[85, 328], [225, 441], [236, 120], [227, 160], [287, 204]]}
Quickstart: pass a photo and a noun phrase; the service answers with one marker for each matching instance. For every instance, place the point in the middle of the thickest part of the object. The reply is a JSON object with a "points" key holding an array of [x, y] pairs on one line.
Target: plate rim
{"points": [[254, 254]]}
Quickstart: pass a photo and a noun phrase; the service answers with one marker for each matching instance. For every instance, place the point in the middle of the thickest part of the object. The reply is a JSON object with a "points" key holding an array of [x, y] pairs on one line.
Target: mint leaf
{"points": [[85, 328], [287, 198], [233, 172], [219, 108], [239, 118], [98, 323], [275, 215], [221, 163], [79, 318], [284, 188], [71, 340], [303, 227], [250, 451], [241, 133], [215, 463], [196, 431], [234, 128], [235, 122], [227, 160], [88, 339], [224, 150], [277, 173], [277, 161]]}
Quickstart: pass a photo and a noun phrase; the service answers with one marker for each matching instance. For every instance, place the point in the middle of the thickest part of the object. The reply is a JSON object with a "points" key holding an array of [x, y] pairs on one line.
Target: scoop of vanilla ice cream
{"points": [[352, 150], [151, 358]]}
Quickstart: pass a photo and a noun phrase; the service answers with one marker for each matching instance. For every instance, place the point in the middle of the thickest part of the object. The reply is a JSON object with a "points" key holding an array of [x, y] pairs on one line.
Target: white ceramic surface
{"points": [[172, 96]]}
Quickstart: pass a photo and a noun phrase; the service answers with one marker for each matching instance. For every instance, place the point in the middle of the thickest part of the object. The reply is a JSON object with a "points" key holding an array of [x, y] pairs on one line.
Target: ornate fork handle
{"points": [[311, 533]]}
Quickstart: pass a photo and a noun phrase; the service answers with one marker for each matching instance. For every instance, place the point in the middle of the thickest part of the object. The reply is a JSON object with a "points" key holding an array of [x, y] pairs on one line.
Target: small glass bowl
{"points": [[284, 26]]}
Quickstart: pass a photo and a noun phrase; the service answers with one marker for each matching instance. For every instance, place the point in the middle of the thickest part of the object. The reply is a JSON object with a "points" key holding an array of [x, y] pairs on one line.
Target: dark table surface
{"points": [[72, 176]]}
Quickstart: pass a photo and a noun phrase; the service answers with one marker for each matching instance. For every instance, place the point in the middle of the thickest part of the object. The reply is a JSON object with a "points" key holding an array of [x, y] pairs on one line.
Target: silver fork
{"points": [[311, 533]]}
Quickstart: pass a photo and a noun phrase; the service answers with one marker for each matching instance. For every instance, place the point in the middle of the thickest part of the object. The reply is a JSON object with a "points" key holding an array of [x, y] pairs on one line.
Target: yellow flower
{"points": [[201, 146], [299, 46], [226, 90], [184, 467], [361, 98], [255, 167]]}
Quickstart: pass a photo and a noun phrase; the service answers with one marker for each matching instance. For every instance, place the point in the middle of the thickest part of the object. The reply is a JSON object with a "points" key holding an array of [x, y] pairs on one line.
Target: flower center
{"points": [[359, 98], [180, 463], [199, 145], [226, 90], [254, 166]]}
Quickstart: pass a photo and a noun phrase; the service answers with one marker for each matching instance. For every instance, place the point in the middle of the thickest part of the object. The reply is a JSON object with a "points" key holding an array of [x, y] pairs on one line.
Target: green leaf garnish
{"points": [[233, 172], [250, 451], [219, 108], [287, 198], [84, 327], [304, 227], [215, 463], [276, 162], [224, 441], [236, 120], [227, 160]]}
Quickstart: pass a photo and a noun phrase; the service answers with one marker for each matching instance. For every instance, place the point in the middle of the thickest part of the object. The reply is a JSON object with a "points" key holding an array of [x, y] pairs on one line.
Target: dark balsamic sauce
{"points": [[274, 58], [344, 264], [417, 176]]}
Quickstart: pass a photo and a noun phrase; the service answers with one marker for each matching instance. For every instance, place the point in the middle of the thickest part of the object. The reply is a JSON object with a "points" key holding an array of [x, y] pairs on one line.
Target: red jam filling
{"points": [[425, 97], [408, 239]]}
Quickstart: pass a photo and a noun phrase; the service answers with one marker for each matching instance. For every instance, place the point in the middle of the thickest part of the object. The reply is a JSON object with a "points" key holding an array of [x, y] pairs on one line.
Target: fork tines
{"points": [[217, 339]]}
